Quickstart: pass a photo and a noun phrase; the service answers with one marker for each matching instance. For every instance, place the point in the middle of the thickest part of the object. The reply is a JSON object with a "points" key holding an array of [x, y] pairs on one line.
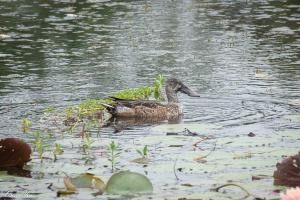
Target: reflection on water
{"points": [[60, 52]]}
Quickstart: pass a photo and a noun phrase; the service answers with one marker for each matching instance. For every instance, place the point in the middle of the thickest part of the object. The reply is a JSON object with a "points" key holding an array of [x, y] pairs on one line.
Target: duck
{"points": [[151, 109]]}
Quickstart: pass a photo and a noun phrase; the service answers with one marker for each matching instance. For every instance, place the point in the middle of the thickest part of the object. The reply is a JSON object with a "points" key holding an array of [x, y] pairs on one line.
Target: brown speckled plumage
{"points": [[152, 109]]}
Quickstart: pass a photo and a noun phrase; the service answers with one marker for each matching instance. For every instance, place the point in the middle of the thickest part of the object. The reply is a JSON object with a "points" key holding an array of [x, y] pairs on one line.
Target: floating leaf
{"points": [[69, 185], [142, 160], [86, 180], [14, 152], [128, 182], [288, 172]]}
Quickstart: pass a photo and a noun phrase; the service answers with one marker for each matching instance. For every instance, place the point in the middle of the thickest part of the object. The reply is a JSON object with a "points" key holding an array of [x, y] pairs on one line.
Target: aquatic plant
{"points": [[158, 83], [58, 150], [127, 182], [87, 143], [49, 109], [69, 112], [141, 93], [144, 152], [113, 153], [92, 108], [39, 144], [26, 125]]}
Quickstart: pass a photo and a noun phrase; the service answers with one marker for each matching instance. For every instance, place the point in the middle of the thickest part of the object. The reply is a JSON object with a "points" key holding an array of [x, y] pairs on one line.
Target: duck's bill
{"points": [[188, 91]]}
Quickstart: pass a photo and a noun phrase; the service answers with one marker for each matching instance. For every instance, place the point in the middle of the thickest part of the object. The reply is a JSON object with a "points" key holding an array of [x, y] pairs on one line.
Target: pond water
{"points": [[241, 56]]}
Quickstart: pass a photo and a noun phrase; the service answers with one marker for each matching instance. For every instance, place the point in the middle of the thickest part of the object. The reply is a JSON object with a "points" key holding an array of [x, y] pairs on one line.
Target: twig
{"points": [[174, 169], [195, 144], [205, 156], [233, 184]]}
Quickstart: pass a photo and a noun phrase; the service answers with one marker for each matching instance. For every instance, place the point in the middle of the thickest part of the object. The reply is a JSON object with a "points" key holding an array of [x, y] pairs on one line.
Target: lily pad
{"points": [[125, 182], [86, 180]]}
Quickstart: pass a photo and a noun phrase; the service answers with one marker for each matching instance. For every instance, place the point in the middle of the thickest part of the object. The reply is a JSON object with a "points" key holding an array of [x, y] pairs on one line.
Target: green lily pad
{"points": [[128, 182]]}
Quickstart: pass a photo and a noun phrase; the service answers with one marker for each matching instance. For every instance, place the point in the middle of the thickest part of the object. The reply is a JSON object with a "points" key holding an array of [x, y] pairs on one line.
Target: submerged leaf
{"points": [[288, 172], [128, 182], [14, 152]]}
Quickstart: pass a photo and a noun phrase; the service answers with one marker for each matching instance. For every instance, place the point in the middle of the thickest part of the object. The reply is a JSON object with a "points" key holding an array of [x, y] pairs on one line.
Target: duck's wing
{"points": [[135, 103]]}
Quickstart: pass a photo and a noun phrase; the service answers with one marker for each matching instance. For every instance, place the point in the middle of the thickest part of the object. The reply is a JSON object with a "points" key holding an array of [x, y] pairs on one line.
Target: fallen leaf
{"points": [[142, 160], [86, 180], [69, 185]]}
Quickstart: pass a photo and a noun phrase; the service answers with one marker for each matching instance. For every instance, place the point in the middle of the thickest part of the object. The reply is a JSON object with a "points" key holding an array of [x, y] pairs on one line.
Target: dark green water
{"points": [[59, 53]]}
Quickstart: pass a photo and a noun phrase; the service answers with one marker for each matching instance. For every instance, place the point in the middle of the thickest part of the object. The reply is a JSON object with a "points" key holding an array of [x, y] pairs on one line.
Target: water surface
{"points": [[59, 53]]}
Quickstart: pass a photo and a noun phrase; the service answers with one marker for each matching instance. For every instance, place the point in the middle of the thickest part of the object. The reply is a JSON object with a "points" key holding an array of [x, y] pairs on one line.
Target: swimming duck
{"points": [[123, 108]]}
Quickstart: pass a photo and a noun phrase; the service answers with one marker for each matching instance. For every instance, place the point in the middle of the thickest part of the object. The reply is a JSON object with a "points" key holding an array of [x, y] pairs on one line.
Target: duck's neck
{"points": [[171, 95]]}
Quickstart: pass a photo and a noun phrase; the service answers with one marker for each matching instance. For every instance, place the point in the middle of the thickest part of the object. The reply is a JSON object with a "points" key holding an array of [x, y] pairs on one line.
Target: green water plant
{"points": [[113, 154], [39, 144], [158, 83], [87, 143], [143, 152], [49, 109], [26, 125], [141, 93], [58, 150], [93, 108]]}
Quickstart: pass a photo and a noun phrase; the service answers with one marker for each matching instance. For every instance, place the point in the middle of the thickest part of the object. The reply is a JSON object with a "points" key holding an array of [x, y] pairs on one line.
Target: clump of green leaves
{"points": [[69, 112], [113, 153], [49, 109], [143, 152], [144, 93], [90, 107], [159, 81], [86, 108], [26, 125], [141, 93]]}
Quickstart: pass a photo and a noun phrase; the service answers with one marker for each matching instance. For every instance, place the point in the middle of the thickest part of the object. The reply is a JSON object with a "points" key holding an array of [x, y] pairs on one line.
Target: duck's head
{"points": [[173, 86]]}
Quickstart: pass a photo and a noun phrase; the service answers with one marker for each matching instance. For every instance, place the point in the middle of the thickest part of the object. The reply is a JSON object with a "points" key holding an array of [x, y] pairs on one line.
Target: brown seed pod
{"points": [[288, 172], [14, 152]]}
